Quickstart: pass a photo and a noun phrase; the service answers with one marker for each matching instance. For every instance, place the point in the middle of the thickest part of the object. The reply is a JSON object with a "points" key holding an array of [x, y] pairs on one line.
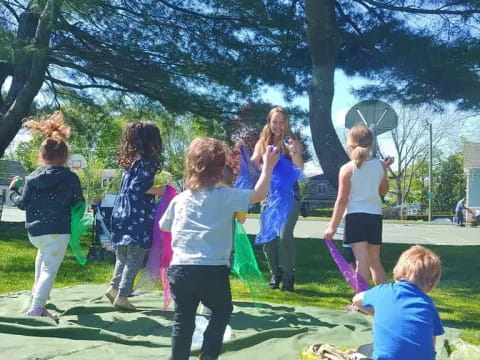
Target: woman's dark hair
{"points": [[140, 138]]}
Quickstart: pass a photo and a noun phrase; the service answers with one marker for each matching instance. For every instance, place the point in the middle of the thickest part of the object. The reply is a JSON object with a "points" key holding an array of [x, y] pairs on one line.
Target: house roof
{"points": [[311, 169], [471, 159], [318, 177], [9, 169]]}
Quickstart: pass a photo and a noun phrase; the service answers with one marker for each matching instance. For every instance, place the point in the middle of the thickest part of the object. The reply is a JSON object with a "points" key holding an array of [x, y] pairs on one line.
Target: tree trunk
{"points": [[399, 190], [323, 40], [29, 69]]}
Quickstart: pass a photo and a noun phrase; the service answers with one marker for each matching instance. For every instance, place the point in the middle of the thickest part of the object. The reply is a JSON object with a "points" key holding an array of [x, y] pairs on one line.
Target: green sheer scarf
{"points": [[80, 223], [245, 265]]}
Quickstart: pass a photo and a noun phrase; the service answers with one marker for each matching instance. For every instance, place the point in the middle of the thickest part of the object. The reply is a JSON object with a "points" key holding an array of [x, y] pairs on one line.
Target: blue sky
{"points": [[343, 100]]}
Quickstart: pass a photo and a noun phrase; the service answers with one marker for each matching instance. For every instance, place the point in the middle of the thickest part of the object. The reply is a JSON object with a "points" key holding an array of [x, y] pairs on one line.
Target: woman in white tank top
{"points": [[362, 184]]}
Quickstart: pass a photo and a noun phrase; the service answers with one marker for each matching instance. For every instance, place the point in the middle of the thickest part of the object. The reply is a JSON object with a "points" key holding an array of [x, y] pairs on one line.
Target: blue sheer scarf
{"points": [[280, 197], [279, 200]]}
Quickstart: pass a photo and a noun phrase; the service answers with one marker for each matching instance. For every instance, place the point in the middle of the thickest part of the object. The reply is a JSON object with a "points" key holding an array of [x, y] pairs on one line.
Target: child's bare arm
{"points": [[341, 202], [358, 301], [384, 184], [156, 190]]}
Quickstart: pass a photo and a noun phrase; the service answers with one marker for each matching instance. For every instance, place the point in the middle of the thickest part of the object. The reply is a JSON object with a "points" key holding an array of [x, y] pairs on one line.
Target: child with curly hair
{"points": [[200, 220], [134, 208]]}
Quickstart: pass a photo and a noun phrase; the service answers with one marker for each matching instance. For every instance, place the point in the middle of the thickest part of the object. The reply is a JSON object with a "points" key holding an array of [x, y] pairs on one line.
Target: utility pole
{"points": [[88, 173], [430, 180]]}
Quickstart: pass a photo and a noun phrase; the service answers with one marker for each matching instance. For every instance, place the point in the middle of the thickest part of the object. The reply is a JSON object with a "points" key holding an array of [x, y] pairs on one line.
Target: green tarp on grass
{"points": [[90, 328]]}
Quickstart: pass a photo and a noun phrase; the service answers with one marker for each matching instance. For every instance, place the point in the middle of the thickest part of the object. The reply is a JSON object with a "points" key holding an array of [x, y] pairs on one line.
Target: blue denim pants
{"points": [[190, 285]]}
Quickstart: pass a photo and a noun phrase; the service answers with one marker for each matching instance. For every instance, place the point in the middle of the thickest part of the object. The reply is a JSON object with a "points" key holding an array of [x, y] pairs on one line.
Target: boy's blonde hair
{"points": [[359, 144], [204, 163], [420, 266]]}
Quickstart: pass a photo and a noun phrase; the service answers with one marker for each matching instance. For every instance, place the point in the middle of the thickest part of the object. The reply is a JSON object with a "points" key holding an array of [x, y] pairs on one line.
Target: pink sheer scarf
{"points": [[160, 256]]}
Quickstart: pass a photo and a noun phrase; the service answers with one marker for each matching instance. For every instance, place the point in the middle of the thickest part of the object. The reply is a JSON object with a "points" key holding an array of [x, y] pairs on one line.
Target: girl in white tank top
{"points": [[365, 181], [362, 184]]}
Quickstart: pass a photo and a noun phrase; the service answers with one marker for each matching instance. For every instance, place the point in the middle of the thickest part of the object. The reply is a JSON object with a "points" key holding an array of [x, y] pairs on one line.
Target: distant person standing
{"points": [[459, 210]]}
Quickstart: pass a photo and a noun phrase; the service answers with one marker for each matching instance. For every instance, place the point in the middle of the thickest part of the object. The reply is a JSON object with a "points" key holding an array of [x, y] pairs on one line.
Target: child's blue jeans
{"points": [[189, 285]]}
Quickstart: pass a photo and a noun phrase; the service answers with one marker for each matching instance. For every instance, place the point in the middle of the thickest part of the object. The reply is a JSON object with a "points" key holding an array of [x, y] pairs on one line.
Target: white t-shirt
{"points": [[201, 223], [364, 192]]}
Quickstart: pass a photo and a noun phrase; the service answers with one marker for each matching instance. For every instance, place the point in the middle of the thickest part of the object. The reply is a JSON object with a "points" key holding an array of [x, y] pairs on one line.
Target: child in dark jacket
{"points": [[48, 196]]}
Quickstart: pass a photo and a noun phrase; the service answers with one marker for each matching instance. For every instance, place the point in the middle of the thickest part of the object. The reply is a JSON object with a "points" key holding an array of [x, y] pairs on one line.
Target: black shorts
{"points": [[361, 227]]}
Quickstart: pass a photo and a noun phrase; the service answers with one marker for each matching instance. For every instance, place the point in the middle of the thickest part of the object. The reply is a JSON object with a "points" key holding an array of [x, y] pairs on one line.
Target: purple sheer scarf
{"points": [[353, 278]]}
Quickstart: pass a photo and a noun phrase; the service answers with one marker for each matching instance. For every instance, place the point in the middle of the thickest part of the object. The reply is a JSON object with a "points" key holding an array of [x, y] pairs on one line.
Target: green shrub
{"points": [[322, 212]]}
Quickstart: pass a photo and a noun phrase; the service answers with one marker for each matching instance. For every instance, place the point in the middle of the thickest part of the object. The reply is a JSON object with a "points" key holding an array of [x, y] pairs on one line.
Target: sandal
{"points": [[111, 295], [324, 351]]}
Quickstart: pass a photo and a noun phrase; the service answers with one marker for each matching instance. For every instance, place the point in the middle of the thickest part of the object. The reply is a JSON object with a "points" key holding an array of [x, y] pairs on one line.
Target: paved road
{"points": [[402, 233], [12, 214]]}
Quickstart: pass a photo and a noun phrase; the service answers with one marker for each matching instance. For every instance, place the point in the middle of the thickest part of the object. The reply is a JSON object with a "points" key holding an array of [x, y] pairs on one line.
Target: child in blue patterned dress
{"points": [[134, 209]]}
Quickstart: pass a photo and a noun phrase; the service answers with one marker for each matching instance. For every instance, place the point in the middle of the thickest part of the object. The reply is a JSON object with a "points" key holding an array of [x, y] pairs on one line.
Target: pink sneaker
{"points": [[35, 311], [49, 314], [41, 311]]}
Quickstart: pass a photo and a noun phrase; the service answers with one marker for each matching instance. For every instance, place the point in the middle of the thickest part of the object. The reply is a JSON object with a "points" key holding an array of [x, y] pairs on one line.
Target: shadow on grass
{"points": [[318, 280], [459, 286], [140, 326], [279, 319]]}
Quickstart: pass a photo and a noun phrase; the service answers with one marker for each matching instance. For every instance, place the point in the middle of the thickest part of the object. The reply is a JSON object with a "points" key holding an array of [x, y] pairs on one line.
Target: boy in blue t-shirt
{"points": [[406, 321]]}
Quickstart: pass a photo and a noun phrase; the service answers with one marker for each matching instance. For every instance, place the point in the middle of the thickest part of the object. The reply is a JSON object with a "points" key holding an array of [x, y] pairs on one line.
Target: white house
{"points": [[107, 175], [471, 165], [9, 169]]}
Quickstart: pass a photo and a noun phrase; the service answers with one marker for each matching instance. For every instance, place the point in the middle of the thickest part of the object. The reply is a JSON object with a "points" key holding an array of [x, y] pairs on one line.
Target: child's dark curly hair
{"points": [[140, 139]]}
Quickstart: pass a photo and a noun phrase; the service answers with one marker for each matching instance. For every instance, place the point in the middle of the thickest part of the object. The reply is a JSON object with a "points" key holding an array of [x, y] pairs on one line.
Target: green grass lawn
{"points": [[319, 283]]}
